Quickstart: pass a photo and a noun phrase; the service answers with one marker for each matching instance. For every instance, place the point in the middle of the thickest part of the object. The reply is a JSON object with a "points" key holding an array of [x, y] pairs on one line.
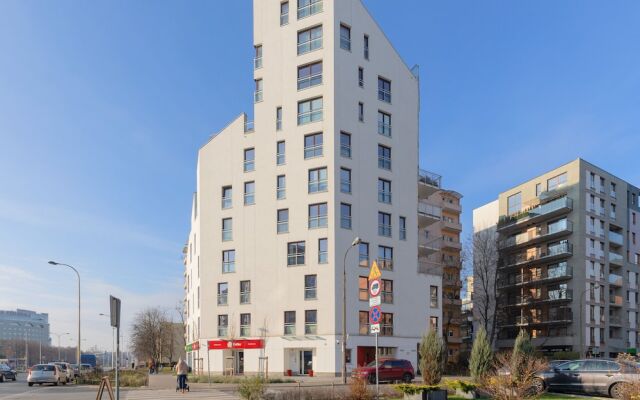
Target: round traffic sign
{"points": [[375, 315], [374, 287]]}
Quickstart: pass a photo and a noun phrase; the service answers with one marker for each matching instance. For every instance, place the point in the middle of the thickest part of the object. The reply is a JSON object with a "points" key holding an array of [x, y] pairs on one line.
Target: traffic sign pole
{"points": [[375, 313]]}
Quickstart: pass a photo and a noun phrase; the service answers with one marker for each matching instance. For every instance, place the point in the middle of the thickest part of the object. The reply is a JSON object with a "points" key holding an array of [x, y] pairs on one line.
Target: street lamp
{"points": [[355, 242], [59, 335], [113, 341], [78, 275], [581, 327]]}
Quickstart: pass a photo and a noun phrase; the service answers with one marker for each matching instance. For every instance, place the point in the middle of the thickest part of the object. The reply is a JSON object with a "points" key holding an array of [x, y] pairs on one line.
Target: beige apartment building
{"points": [[330, 157], [568, 261]]}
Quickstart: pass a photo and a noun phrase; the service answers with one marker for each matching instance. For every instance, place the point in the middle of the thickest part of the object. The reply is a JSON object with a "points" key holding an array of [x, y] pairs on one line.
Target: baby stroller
{"points": [[186, 385]]}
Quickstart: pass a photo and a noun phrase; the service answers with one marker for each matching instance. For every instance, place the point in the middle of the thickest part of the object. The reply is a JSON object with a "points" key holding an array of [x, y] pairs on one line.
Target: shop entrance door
{"points": [[306, 362], [239, 362]]}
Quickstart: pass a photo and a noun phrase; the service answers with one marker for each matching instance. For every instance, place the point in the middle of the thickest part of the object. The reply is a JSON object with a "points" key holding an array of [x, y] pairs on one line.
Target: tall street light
{"points": [[78, 275], [113, 341], [59, 335], [355, 242]]}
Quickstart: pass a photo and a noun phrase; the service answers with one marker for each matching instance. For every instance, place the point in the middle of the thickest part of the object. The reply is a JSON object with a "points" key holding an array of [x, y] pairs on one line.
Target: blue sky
{"points": [[104, 104]]}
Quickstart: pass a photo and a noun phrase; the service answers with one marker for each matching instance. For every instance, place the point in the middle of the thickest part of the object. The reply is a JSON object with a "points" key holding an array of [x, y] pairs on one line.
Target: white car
{"points": [[66, 369], [46, 373]]}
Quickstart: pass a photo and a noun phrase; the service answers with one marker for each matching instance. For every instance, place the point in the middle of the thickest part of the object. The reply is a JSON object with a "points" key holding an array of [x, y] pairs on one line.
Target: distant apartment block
{"points": [[24, 325], [568, 245]]}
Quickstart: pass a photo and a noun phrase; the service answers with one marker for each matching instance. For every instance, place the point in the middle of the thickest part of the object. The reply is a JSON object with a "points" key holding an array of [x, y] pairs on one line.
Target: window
{"points": [[278, 118], [386, 328], [281, 187], [257, 59], [345, 37], [245, 292], [323, 251], [345, 180], [433, 294], [384, 224], [363, 322], [557, 181], [384, 90], [363, 288], [384, 157], [283, 221], [402, 223], [226, 197], [289, 323], [257, 94], [384, 124], [295, 253], [227, 229], [318, 215], [433, 323], [385, 257], [366, 47], [249, 193], [613, 190], [612, 212], [284, 13], [309, 40], [280, 153], [228, 261], [309, 75], [360, 76], [514, 203], [317, 180], [245, 325], [249, 160], [538, 189], [345, 145], [345, 215], [310, 287], [384, 191], [361, 112], [313, 145], [308, 7], [223, 325], [387, 291], [310, 111], [310, 322], [223, 293], [363, 254]]}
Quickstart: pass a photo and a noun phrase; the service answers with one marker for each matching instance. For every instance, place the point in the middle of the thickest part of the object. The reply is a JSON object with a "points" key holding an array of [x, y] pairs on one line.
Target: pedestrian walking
{"points": [[182, 369]]}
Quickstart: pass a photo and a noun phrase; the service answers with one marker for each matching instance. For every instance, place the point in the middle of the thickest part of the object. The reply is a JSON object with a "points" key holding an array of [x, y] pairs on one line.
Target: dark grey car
{"points": [[597, 376], [7, 373]]}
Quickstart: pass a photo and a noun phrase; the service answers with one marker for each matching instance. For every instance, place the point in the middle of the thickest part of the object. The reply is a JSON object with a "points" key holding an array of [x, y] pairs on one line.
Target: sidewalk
{"points": [[162, 381]]}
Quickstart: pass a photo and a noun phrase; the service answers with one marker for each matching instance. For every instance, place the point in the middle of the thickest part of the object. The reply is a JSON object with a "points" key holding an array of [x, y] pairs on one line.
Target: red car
{"points": [[389, 370]]}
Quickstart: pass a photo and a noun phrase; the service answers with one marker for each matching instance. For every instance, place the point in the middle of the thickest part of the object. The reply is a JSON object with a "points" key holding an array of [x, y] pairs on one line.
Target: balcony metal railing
{"points": [[562, 249], [615, 320], [562, 317], [384, 129], [535, 212], [429, 178], [615, 300], [553, 295]]}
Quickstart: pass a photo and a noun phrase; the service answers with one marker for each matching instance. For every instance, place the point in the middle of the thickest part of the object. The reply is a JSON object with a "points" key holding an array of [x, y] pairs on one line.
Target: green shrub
{"points": [[410, 388], [251, 388], [461, 385], [481, 357], [432, 358]]}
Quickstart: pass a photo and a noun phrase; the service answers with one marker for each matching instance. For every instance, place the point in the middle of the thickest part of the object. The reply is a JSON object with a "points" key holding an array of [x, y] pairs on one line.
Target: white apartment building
{"points": [[331, 155]]}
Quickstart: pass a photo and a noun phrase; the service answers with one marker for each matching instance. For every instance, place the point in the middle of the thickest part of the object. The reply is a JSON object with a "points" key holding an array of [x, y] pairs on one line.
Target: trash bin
{"points": [[289, 372], [311, 373]]}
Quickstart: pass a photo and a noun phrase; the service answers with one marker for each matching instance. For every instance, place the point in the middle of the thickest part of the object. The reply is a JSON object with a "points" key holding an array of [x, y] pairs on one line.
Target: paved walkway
{"points": [[168, 394]]}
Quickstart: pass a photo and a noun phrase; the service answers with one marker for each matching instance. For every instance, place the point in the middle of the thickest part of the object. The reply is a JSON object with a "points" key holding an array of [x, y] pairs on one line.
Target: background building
{"points": [[329, 157], [24, 325], [568, 261], [466, 326]]}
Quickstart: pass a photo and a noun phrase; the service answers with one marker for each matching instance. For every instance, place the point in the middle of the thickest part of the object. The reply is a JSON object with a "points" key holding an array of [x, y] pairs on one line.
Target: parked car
{"points": [[66, 369], [388, 370], [593, 376], [46, 373], [6, 373]]}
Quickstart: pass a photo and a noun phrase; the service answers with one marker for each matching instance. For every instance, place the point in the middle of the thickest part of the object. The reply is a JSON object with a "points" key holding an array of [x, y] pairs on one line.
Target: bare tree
{"points": [[484, 253], [149, 334]]}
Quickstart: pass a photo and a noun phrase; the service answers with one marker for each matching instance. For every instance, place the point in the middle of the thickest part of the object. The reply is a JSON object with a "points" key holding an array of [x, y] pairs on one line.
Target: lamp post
{"points": [[59, 335], [113, 342], [581, 326], [355, 242], [78, 275]]}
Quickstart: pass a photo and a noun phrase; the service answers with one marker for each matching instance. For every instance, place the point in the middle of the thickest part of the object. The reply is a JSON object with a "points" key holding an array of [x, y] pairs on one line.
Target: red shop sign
{"points": [[218, 344], [235, 344], [195, 346]]}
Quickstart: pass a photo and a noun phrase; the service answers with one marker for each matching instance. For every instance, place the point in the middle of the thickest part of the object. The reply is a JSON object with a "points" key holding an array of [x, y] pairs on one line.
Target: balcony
{"points": [[555, 274], [426, 266], [249, 126], [531, 237], [615, 301], [428, 183], [615, 280], [451, 302], [551, 253], [558, 318], [450, 224], [456, 282], [453, 339], [534, 214], [450, 244], [615, 238], [428, 246], [616, 259], [552, 296], [615, 320], [428, 214]]}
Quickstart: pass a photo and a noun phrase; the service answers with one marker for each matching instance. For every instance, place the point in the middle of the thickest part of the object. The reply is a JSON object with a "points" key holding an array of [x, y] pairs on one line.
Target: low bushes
{"points": [[127, 378], [230, 379]]}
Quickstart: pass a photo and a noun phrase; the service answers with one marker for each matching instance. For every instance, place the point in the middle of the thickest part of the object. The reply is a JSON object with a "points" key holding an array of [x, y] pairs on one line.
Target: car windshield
{"points": [[371, 364], [44, 368]]}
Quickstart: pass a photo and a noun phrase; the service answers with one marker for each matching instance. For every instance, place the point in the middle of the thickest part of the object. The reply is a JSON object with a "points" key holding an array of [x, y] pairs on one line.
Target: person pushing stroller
{"points": [[182, 369]]}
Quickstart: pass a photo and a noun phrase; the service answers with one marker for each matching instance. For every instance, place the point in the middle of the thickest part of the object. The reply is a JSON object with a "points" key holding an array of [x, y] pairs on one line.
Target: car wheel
{"points": [[372, 379], [616, 391], [1, 378], [56, 382], [14, 378], [407, 378], [30, 384], [538, 385]]}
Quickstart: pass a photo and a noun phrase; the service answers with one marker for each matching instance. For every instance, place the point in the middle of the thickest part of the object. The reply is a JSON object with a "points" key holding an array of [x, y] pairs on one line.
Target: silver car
{"points": [[66, 368], [46, 373]]}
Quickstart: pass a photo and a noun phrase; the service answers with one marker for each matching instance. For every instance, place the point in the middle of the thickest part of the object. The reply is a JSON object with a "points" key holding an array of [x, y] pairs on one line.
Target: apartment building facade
{"points": [[568, 261], [440, 250], [331, 156], [24, 325]]}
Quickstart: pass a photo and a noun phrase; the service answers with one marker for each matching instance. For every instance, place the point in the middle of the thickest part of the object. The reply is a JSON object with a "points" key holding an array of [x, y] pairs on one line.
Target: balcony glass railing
{"points": [[429, 178], [615, 300], [430, 210], [552, 273], [552, 295], [616, 238], [537, 211], [525, 237], [540, 254], [616, 258], [615, 279]]}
